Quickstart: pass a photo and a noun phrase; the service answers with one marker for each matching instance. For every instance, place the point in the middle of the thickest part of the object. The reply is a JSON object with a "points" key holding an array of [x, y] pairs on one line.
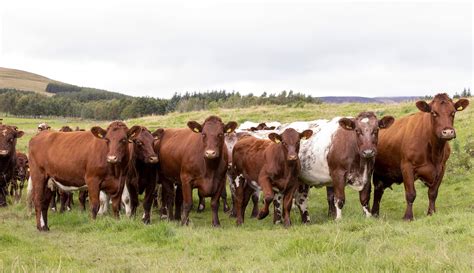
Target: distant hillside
{"points": [[350, 99], [22, 80]]}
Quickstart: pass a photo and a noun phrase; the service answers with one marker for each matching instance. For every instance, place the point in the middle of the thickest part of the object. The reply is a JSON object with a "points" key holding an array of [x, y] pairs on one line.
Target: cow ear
{"points": [[386, 122], [347, 123], [158, 133], [461, 104], [275, 137], [423, 106], [98, 132], [306, 134], [132, 132], [230, 127], [194, 126], [19, 134]]}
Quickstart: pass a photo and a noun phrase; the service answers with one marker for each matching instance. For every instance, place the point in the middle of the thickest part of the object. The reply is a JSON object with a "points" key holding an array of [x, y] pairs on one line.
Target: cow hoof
{"points": [[200, 208], [408, 218], [44, 228], [216, 225], [185, 222], [146, 221], [226, 209], [261, 215]]}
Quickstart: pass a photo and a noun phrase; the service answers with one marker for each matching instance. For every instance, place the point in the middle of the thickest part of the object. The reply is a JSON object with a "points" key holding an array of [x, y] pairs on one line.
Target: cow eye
{"points": [[358, 131], [204, 135], [221, 135], [10, 140], [123, 140], [434, 114]]}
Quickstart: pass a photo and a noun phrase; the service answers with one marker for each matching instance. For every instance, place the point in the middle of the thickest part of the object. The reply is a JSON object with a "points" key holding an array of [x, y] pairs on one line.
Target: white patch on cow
{"points": [[314, 151], [67, 188], [247, 125], [366, 212], [42, 223], [338, 211], [104, 203], [126, 201], [360, 180], [255, 185], [143, 217], [279, 200], [365, 120]]}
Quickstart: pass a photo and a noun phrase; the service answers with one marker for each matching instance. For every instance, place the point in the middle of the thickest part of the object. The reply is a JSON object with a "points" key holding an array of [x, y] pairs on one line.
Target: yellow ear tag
{"points": [[130, 141], [277, 140], [196, 130], [303, 138], [460, 108], [100, 135], [229, 130], [349, 127]]}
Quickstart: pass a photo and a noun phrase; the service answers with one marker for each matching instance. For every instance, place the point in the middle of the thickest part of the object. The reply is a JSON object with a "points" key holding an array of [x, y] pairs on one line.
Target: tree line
{"points": [[90, 103]]}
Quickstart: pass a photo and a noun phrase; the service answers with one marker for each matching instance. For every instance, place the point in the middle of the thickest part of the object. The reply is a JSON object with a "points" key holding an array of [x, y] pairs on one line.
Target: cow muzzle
{"points": [[153, 159], [4, 152], [448, 134], [210, 154], [368, 153], [112, 159], [292, 157]]}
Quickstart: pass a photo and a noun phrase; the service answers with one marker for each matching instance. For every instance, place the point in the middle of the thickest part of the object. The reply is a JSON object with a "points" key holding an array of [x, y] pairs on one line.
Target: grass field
{"points": [[441, 243], [22, 80]]}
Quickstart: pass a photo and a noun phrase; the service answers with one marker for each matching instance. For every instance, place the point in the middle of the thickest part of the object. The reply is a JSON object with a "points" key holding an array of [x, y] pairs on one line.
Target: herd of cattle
{"points": [[280, 162]]}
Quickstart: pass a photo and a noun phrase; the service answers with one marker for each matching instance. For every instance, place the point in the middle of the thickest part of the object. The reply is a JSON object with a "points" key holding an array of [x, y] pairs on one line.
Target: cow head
{"points": [[290, 141], [116, 136], [21, 164], [443, 110], [43, 127], [143, 141], [366, 127], [8, 136], [65, 129], [212, 134]]}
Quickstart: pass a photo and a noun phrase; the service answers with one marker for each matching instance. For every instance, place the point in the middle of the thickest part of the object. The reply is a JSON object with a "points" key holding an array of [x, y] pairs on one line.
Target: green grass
{"points": [[443, 242]]}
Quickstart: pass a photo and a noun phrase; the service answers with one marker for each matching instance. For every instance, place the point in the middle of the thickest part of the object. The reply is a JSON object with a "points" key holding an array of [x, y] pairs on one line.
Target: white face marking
{"points": [[42, 223], [4, 132], [365, 120]]}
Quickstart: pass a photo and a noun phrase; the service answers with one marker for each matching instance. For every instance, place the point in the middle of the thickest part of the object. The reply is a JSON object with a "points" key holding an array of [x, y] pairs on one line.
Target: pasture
{"points": [[443, 242]]}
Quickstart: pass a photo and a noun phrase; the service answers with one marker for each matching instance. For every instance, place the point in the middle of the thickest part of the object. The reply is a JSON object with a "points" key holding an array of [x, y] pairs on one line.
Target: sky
{"points": [[156, 48]]}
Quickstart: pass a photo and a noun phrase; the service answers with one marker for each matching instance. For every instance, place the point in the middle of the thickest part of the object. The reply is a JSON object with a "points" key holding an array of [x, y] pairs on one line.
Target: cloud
{"points": [[158, 48]]}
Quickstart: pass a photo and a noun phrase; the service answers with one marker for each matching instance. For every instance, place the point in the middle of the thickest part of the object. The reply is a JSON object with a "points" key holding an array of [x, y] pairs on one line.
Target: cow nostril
{"points": [[112, 158], [153, 158], [368, 153]]}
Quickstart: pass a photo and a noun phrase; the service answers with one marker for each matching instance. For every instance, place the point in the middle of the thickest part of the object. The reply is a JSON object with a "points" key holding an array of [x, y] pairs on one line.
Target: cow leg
{"points": [[232, 195], [339, 194], [215, 201], [433, 192], [187, 197], [331, 204], [277, 207], [41, 200], [255, 198], [104, 200], [167, 199], [53, 199], [224, 200], [410, 192], [128, 195], [379, 189], [148, 201], [364, 198], [239, 184], [63, 199], [248, 192], [202, 204], [178, 203], [94, 192], [288, 202], [268, 194], [301, 197], [82, 199]]}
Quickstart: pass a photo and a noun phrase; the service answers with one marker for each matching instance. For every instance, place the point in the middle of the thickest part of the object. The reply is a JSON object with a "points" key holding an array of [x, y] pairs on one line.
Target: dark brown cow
{"points": [[97, 159], [8, 137], [195, 158], [20, 176], [416, 147], [146, 172], [274, 165]]}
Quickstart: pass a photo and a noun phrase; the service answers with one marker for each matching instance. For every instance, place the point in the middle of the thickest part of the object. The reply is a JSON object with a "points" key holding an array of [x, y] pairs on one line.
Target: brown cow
{"points": [[20, 175], [195, 158], [97, 159], [8, 137], [64, 197], [274, 165], [416, 147]]}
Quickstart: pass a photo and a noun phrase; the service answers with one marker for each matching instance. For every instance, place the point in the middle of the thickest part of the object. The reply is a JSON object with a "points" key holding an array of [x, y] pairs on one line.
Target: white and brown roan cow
{"points": [[341, 152]]}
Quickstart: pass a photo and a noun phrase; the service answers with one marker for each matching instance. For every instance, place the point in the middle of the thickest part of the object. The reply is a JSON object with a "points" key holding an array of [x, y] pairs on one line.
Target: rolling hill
{"points": [[23, 80]]}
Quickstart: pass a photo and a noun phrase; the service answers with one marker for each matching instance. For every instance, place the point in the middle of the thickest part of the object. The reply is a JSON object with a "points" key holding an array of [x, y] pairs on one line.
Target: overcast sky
{"points": [[155, 49]]}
